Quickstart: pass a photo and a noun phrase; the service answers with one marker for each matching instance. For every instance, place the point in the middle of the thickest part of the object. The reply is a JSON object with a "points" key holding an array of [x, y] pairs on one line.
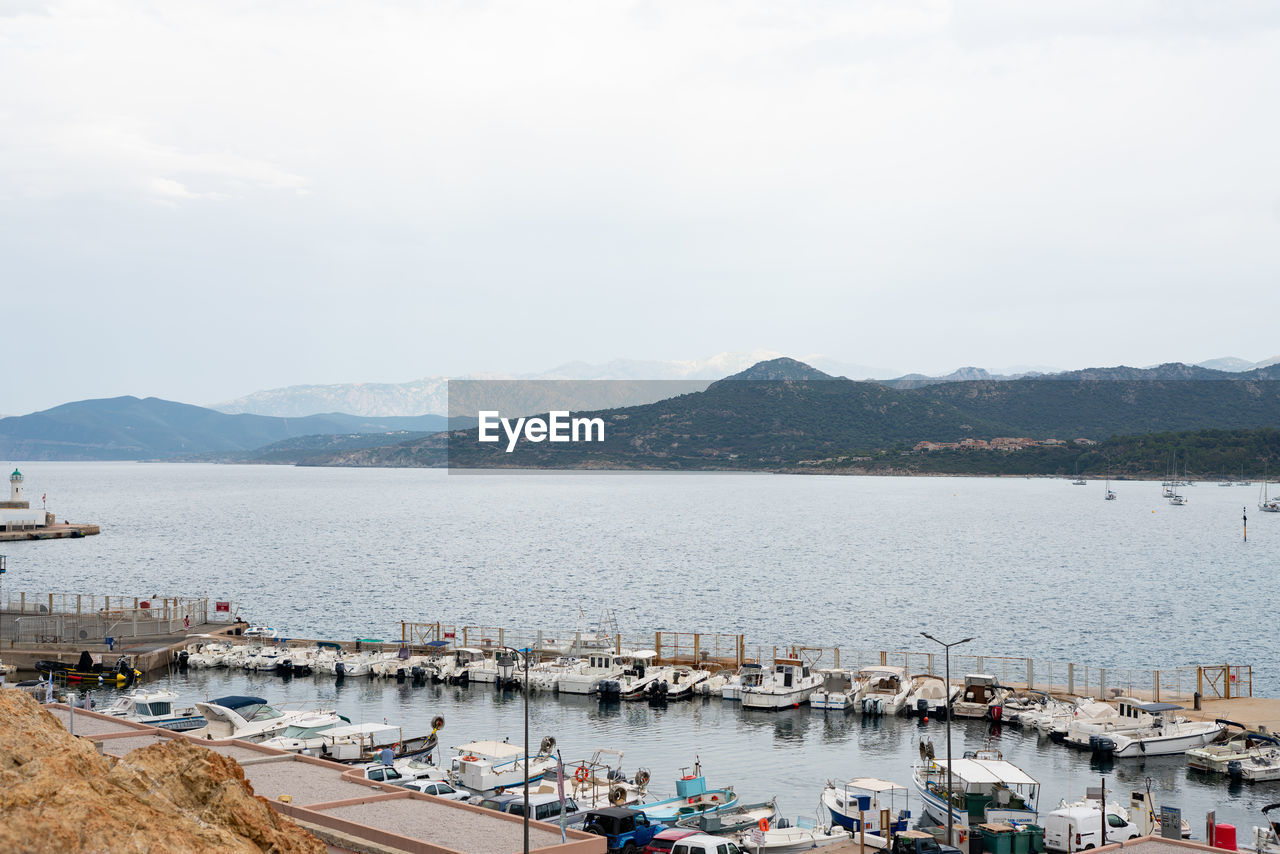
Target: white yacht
{"points": [[250, 718], [790, 684], [350, 743], [882, 690], [837, 693], [1103, 719]]}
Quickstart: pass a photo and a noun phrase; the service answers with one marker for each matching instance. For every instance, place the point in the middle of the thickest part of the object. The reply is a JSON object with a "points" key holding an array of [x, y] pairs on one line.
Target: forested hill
{"points": [[782, 414]]}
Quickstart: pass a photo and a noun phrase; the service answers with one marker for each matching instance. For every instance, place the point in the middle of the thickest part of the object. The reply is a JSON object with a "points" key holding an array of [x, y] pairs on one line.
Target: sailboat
{"points": [[1110, 495], [1079, 481], [1266, 503]]}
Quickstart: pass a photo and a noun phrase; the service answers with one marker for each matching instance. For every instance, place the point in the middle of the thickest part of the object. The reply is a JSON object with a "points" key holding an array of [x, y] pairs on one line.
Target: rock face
{"points": [[58, 794]]}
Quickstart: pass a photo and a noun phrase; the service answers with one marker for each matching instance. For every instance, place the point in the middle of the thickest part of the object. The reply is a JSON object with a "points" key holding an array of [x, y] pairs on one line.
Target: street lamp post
{"points": [[947, 648], [507, 667]]}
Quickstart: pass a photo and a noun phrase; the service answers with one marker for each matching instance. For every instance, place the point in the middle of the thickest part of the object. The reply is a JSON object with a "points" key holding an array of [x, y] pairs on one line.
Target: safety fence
{"points": [[51, 618], [730, 651]]}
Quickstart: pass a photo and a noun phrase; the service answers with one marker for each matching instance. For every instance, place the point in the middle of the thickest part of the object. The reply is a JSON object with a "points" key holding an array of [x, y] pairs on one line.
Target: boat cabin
{"points": [[751, 675], [639, 661], [987, 789], [464, 655], [788, 671]]}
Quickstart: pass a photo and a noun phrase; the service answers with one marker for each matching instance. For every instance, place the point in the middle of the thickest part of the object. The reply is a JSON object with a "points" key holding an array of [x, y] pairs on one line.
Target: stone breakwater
{"points": [[57, 793]]}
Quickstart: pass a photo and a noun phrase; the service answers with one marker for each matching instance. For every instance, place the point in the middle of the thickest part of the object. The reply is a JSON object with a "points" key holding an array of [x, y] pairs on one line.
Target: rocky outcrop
{"points": [[57, 793]]}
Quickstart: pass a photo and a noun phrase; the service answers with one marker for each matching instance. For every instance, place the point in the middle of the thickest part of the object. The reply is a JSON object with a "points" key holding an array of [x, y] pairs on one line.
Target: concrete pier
{"points": [[63, 531]]}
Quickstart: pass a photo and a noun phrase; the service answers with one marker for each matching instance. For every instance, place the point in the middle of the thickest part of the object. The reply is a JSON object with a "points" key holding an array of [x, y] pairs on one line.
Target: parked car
{"points": [[919, 842], [664, 839], [544, 806], [439, 788], [626, 830]]}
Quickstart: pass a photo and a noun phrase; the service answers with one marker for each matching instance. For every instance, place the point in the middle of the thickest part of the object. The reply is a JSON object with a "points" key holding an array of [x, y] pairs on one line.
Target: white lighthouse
{"points": [[15, 488]]}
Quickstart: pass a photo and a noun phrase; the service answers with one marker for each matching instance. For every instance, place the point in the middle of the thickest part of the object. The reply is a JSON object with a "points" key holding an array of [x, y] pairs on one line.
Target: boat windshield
{"points": [[265, 713]]}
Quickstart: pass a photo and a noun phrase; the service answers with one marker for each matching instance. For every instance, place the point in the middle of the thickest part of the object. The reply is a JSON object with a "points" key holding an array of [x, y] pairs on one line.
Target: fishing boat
{"points": [[600, 781], [599, 667], [981, 697], [837, 694], [866, 799], [155, 708], [87, 670], [252, 719], [486, 766], [882, 690], [692, 798], [1165, 736], [790, 684], [984, 788]]}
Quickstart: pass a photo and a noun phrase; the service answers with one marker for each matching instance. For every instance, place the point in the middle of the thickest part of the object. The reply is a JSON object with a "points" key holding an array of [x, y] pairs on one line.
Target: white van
{"points": [[1079, 827]]}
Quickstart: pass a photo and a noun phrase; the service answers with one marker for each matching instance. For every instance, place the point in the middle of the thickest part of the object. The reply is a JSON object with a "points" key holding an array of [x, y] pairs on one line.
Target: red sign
{"points": [[222, 607], [449, 634]]}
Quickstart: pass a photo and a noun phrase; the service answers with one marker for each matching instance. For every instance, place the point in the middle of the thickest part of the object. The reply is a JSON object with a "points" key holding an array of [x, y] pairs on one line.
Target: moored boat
{"points": [[984, 788], [789, 685], [155, 708], [867, 799], [692, 797]]}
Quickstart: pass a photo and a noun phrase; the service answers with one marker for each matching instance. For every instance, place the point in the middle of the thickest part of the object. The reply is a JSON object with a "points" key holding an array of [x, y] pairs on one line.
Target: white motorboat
{"points": [[251, 718], [260, 633], [1259, 767], [981, 697], [599, 667], [882, 690], [786, 838], [461, 663], [350, 743], [929, 695], [983, 785], [790, 684], [640, 673], [1240, 747], [155, 708], [1178, 499], [685, 681], [1049, 714], [548, 675], [1166, 736], [484, 766], [1102, 719], [749, 675], [837, 694], [869, 799]]}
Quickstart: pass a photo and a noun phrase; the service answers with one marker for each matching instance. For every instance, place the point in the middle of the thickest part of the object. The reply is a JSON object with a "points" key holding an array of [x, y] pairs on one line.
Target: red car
{"points": [[662, 842]]}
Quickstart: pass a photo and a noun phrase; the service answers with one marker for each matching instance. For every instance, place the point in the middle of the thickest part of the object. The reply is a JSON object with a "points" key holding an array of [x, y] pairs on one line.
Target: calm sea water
{"points": [[1032, 567]]}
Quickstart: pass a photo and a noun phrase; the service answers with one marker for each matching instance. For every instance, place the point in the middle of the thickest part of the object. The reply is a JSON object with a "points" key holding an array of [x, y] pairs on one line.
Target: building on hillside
{"points": [[1083, 441]]}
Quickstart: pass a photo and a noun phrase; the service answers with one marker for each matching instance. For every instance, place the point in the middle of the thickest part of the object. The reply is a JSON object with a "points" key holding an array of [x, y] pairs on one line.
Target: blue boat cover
{"points": [[239, 702]]}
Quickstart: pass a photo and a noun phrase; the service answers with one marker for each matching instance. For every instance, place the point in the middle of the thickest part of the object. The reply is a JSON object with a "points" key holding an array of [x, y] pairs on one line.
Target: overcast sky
{"points": [[199, 200]]}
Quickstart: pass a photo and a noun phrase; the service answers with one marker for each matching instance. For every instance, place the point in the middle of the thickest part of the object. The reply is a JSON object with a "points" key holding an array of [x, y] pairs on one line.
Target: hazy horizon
{"points": [[203, 200]]}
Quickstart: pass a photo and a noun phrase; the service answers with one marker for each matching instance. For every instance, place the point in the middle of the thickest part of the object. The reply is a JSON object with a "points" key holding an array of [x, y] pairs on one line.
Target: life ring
{"points": [[763, 825], [581, 774], [470, 758]]}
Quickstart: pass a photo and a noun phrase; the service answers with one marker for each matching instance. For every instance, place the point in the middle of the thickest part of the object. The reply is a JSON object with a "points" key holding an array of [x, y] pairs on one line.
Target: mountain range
{"points": [[782, 413], [130, 428], [430, 394]]}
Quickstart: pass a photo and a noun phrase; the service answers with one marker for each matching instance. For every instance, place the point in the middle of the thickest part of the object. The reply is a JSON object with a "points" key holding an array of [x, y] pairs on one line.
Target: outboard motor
{"points": [[340, 670], [996, 712], [1235, 769], [1101, 745], [183, 658], [400, 675], [418, 674], [610, 689], [922, 706]]}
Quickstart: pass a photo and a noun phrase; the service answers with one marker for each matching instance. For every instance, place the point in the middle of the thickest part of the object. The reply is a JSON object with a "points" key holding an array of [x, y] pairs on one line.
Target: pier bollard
{"points": [[1196, 701]]}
